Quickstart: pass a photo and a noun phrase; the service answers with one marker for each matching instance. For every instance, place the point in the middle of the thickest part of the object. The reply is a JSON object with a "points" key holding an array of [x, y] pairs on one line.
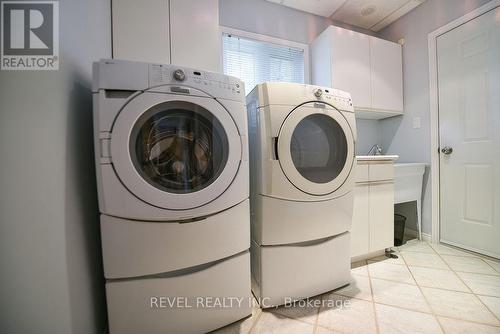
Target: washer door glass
{"points": [[179, 147], [318, 148]]}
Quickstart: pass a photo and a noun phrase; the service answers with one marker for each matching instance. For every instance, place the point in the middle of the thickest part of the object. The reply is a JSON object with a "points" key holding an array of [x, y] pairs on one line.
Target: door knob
{"points": [[447, 150]]}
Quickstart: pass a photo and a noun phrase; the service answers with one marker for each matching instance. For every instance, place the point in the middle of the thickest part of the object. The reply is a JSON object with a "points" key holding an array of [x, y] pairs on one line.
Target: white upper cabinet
{"points": [[195, 36], [351, 65], [180, 32], [386, 75], [367, 67], [141, 30]]}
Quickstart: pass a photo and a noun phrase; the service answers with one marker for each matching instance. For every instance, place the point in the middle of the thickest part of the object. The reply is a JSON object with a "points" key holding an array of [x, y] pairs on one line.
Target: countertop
{"points": [[377, 157]]}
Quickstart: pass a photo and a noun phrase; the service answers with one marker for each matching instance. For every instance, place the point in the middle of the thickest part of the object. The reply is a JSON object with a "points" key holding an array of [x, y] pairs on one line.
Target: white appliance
{"points": [[172, 173], [302, 161]]}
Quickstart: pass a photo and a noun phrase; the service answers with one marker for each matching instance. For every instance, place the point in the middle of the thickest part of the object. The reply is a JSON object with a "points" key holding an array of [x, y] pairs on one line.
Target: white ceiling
{"points": [[319, 7], [367, 14]]}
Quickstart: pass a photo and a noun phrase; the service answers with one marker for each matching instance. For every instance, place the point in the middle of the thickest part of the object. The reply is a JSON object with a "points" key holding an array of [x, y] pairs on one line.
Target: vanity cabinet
{"points": [[381, 214], [180, 32], [373, 217], [360, 228], [369, 68]]}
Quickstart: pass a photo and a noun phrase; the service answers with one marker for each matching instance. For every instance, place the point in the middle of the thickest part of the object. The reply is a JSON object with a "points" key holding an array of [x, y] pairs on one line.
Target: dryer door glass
{"points": [[179, 147], [318, 148]]}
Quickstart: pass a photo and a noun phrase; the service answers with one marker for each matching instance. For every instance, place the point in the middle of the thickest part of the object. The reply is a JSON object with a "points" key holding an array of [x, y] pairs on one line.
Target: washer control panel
{"points": [[214, 84], [338, 98], [179, 75]]}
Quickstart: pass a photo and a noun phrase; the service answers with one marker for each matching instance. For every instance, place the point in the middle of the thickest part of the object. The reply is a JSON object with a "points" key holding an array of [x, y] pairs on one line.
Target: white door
{"points": [[316, 148], [469, 126]]}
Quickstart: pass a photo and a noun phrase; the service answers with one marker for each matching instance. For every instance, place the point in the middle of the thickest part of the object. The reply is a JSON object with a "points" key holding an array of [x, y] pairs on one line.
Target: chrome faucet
{"points": [[377, 150]]}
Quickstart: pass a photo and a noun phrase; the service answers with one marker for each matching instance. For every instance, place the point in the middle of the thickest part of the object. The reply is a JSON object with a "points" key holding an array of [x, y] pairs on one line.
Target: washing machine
{"points": [[171, 152], [302, 162]]}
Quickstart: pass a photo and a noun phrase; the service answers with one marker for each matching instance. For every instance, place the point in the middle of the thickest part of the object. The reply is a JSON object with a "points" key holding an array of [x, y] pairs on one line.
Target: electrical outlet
{"points": [[416, 123]]}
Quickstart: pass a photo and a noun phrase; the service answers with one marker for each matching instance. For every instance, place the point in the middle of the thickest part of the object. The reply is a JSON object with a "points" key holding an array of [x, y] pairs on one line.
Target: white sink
{"points": [[410, 168], [408, 179]]}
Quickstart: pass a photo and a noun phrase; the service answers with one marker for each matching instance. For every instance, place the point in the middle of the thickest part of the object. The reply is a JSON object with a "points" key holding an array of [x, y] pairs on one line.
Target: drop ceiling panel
{"points": [[396, 14], [319, 7], [367, 14]]}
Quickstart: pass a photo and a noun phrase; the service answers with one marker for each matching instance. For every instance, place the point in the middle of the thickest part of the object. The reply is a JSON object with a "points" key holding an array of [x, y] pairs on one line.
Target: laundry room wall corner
{"points": [[52, 280], [82, 229]]}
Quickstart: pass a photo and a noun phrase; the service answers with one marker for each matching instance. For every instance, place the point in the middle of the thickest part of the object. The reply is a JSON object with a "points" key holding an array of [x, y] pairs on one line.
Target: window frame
{"points": [[267, 39]]}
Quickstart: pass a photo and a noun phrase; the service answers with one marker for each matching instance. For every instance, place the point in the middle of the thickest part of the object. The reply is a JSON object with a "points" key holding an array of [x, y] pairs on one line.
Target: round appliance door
{"points": [[175, 152], [316, 149]]}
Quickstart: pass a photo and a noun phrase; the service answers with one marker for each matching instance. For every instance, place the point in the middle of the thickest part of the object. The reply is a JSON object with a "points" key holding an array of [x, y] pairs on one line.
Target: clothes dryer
{"points": [[302, 161]]}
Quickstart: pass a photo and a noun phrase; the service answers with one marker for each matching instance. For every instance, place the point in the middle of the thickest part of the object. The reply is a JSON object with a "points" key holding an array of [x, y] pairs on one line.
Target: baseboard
{"points": [[426, 237], [367, 256]]}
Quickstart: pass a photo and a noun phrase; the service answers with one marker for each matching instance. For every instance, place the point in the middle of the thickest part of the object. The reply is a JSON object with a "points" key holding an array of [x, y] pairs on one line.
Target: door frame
{"points": [[434, 109]]}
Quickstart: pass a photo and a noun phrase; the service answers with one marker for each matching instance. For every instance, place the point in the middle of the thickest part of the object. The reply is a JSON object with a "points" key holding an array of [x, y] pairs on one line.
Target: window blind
{"points": [[256, 61]]}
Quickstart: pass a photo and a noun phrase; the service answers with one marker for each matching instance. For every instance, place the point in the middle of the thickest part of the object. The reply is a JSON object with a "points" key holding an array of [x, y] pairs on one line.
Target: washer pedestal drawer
{"points": [[180, 302], [132, 248], [281, 274]]}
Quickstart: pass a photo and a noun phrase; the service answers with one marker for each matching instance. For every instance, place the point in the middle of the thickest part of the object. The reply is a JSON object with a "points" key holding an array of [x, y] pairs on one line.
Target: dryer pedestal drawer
{"points": [[281, 273], [136, 248], [196, 302], [277, 221]]}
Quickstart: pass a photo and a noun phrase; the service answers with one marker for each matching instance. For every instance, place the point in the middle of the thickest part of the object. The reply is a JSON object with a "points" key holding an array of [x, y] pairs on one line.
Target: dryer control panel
{"points": [[214, 84], [338, 98]]}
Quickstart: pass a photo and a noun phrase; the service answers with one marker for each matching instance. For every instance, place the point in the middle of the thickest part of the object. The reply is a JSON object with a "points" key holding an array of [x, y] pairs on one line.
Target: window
{"points": [[255, 61]]}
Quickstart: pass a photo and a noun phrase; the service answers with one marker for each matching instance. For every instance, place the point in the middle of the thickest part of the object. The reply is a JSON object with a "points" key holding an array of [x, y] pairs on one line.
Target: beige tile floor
{"points": [[428, 289]]}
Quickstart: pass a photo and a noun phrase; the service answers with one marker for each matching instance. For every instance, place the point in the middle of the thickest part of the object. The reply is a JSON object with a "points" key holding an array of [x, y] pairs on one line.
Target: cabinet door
{"points": [[360, 238], [195, 36], [141, 30], [381, 215], [321, 60], [351, 65], [387, 75]]}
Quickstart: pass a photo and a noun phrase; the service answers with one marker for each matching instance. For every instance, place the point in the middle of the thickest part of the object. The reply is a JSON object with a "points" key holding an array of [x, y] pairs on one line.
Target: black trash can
{"points": [[399, 229]]}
